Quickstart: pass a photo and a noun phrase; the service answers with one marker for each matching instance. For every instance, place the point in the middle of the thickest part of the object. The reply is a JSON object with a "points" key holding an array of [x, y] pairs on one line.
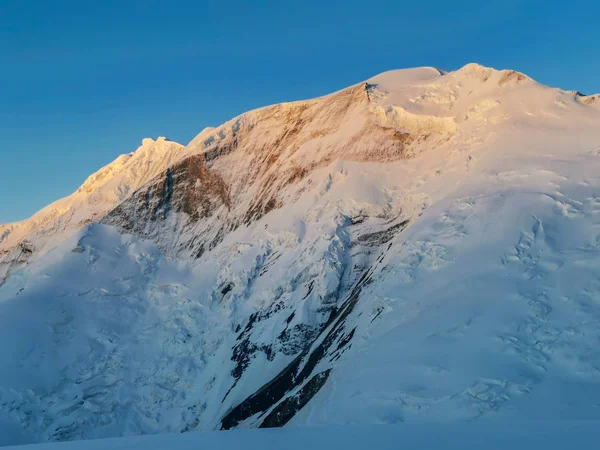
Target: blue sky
{"points": [[82, 82]]}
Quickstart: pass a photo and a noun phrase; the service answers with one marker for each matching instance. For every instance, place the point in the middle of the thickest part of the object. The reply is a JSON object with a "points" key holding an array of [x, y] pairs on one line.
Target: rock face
{"points": [[181, 201], [420, 246]]}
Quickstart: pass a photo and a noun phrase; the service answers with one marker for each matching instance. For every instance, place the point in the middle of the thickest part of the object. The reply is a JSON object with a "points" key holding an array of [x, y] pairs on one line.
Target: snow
{"points": [[514, 436], [483, 309]]}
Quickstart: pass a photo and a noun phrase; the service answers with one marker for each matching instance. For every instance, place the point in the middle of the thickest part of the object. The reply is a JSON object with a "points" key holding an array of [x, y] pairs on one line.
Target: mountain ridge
{"points": [[467, 68], [434, 109]]}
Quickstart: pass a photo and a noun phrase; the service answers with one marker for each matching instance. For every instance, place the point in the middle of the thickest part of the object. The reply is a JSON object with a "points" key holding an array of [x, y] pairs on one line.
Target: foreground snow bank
{"points": [[511, 436]]}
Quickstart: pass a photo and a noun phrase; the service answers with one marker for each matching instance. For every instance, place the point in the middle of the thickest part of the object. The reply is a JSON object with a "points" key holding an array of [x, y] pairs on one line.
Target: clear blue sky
{"points": [[82, 82]]}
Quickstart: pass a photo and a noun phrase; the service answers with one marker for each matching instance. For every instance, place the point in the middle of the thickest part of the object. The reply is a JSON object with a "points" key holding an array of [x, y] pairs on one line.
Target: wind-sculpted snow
{"points": [[421, 247]]}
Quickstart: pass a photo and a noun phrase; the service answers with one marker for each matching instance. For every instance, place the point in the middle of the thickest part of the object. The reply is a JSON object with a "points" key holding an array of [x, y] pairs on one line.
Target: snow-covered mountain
{"points": [[419, 247]]}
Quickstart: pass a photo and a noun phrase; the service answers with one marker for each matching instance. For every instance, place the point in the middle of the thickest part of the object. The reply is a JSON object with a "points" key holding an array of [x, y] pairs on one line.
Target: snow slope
{"points": [[416, 248], [521, 436]]}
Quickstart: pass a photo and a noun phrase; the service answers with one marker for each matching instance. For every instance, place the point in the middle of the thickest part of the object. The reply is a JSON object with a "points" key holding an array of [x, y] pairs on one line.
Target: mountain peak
{"points": [[147, 141], [403, 77], [484, 74], [474, 67]]}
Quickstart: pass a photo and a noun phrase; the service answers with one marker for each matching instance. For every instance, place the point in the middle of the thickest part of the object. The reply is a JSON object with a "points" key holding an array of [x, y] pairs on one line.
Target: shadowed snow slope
{"points": [[522, 436], [421, 247]]}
